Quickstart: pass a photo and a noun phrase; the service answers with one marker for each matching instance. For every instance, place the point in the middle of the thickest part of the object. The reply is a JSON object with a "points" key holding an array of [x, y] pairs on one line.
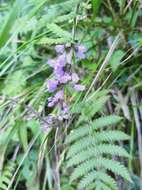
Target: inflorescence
{"points": [[63, 74]]}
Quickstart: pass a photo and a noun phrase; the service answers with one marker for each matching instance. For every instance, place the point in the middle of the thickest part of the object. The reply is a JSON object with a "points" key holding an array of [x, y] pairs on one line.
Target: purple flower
{"points": [[75, 78], [51, 104], [52, 85], [59, 95], [61, 60], [79, 87], [49, 119], [65, 108], [59, 72], [80, 54], [65, 78], [56, 98], [62, 76], [59, 48]]}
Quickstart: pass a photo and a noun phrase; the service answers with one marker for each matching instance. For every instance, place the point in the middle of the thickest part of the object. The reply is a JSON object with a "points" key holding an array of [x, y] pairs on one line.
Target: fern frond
{"points": [[111, 165], [104, 136], [97, 124], [105, 121], [112, 150], [7, 175], [91, 107], [80, 145], [111, 136], [94, 175], [92, 147], [102, 186], [59, 32], [62, 8], [96, 151], [52, 41], [78, 133], [64, 18]]}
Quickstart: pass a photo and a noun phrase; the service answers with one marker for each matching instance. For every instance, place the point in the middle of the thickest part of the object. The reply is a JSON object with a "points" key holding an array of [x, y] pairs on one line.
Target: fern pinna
{"points": [[7, 174], [92, 147]]}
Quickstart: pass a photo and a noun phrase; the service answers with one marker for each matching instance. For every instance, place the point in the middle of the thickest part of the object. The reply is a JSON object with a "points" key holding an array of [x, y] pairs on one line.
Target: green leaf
{"points": [[22, 132], [116, 59], [6, 28], [14, 83], [96, 5]]}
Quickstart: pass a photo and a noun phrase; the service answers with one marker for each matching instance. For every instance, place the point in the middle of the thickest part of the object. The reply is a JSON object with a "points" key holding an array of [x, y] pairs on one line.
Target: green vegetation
{"points": [[96, 144]]}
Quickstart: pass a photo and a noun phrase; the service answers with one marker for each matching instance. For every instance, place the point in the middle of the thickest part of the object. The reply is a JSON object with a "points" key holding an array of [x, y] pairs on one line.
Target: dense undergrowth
{"points": [[70, 95]]}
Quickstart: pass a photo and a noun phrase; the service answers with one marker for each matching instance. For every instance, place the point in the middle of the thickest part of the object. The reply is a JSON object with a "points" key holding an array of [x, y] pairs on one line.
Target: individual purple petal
{"points": [[75, 77], [65, 108], [61, 60], [79, 87], [59, 48], [65, 78], [51, 104], [58, 72], [80, 54], [59, 95], [52, 85]]}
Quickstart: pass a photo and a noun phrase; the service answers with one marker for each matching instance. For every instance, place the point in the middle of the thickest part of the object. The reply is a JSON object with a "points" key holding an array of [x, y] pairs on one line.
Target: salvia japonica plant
{"points": [[63, 74], [70, 95]]}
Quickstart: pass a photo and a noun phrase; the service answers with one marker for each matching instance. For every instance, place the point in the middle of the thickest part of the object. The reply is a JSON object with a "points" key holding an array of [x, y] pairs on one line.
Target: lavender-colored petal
{"points": [[52, 85], [51, 104], [80, 55], [58, 72], [59, 95], [75, 77], [59, 48], [81, 49], [65, 108], [79, 87], [61, 60], [65, 78]]}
